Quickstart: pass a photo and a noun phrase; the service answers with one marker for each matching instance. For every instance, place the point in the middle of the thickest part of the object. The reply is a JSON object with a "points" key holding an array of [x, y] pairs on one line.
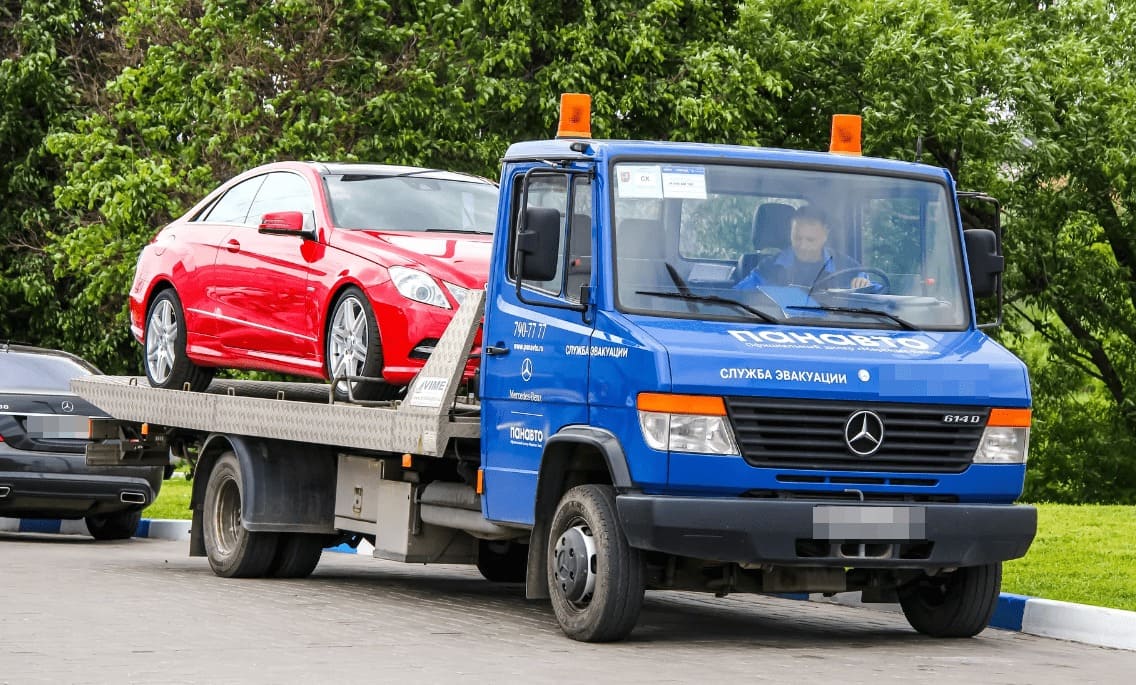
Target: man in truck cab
{"points": [[809, 260]]}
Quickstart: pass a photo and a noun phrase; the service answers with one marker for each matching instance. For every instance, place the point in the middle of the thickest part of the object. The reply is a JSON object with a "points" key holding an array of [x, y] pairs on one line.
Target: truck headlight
{"points": [[418, 286], [1006, 438], [686, 423]]}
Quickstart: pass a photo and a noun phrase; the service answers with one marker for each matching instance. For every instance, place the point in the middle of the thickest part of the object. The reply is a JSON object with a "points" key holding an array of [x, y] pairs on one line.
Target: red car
{"points": [[313, 269]]}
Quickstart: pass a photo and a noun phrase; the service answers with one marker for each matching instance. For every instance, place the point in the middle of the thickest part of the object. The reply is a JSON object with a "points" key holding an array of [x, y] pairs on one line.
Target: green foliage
{"points": [[116, 116]]}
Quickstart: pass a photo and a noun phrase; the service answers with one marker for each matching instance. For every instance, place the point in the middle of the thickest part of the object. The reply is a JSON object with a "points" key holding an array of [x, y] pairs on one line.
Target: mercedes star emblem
{"points": [[864, 432], [67, 406], [526, 369]]}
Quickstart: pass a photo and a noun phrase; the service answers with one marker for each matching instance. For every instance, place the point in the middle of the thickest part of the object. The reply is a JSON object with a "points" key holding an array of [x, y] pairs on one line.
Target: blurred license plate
{"points": [[869, 523], [56, 427]]}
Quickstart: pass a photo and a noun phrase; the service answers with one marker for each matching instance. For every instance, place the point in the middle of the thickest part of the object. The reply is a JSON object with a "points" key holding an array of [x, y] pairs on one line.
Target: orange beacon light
{"points": [[575, 116], [845, 134]]}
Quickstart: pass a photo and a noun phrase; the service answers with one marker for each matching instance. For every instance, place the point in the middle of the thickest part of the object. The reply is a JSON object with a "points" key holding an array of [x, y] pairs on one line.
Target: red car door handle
{"points": [[233, 245]]}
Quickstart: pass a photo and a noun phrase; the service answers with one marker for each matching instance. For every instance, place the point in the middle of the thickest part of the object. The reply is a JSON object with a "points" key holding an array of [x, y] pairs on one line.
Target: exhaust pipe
{"points": [[132, 497], [4, 490]]}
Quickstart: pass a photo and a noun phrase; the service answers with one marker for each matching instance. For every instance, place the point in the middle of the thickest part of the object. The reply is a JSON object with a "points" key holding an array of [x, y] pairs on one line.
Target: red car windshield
{"points": [[412, 202]]}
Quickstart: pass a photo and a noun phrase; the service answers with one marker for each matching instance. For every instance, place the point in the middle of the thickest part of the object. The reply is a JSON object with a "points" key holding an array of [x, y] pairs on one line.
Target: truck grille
{"points": [[805, 434]]}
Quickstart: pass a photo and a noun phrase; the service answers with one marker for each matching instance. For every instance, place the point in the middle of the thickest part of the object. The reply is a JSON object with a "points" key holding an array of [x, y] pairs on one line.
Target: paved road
{"points": [[142, 611]]}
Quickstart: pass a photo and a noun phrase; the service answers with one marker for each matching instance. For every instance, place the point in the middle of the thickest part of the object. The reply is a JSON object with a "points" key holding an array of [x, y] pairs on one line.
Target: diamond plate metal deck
{"points": [[423, 424]]}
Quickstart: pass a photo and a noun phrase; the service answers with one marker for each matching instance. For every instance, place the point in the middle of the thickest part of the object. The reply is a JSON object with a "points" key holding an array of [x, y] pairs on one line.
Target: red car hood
{"points": [[460, 258]]}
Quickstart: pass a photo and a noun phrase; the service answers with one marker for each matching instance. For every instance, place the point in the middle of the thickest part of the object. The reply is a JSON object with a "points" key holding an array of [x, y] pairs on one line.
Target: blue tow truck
{"points": [[671, 395]]}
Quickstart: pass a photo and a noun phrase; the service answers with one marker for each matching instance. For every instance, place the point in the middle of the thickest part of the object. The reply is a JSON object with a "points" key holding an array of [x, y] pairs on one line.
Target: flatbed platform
{"points": [[422, 424]]}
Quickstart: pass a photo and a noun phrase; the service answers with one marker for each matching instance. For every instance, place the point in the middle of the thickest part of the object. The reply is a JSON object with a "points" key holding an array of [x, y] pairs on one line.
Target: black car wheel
{"points": [[120, 525]]}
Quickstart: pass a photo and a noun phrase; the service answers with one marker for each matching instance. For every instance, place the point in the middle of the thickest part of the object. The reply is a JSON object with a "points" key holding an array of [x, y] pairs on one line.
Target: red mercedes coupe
{"points": [[320, 270]]}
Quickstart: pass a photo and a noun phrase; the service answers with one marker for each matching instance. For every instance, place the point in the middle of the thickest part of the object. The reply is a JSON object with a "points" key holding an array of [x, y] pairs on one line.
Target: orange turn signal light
{"points": [[845, 134], [407, 461], [575, 116], [1010, 418], [481, 481], [681, 404]]}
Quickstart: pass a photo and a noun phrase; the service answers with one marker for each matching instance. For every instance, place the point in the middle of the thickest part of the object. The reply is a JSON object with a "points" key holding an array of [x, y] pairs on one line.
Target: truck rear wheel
{"points": [[233, 550], [297, 555], [957, 604], [595, 579]]}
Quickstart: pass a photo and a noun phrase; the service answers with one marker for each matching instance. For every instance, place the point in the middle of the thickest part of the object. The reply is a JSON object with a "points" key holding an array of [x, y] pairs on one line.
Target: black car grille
{"points": [[805, 434]]}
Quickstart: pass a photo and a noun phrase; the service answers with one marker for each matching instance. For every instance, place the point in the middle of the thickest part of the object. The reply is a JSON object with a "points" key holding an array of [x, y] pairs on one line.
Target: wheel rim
{"points": [[227, 517], [575, 559], [348, 343], [161, 336]]}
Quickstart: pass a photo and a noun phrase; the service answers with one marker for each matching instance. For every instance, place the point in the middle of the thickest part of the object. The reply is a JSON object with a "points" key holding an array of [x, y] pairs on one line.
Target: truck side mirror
{"points": [[986, 262], [538, 244]]}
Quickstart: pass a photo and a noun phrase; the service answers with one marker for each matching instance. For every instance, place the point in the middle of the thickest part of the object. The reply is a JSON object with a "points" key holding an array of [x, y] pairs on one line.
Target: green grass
{"points": [[1084, 554], [172, 502]]}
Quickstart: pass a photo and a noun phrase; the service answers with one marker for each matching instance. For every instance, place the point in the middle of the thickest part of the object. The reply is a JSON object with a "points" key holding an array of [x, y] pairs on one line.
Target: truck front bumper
{"points": [[802, 533]]}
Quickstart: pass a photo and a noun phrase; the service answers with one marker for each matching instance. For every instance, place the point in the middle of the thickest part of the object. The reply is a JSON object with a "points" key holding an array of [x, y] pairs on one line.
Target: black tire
{"points": [[353, 302], [608, 609], [957, 604], [233, 550], [502, 561], [297, 555], [121, 525], [164, 358]]}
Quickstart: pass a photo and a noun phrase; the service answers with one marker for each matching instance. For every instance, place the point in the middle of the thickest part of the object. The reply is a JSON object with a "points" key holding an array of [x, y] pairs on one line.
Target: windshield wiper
{"points": [[903, 323], [457, 230], [716, 299]]}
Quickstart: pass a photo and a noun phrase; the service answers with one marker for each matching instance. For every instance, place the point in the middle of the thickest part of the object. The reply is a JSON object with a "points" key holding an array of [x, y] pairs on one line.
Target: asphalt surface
{"points": [[143, 611]]}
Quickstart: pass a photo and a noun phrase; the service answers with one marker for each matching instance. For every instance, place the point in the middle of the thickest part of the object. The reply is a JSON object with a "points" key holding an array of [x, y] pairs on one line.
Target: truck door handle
{"points": [[496, 350], [233, 245]]}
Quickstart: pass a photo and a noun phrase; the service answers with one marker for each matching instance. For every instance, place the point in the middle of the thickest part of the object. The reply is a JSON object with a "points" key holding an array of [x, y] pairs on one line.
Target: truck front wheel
{"points": [[233, 550], [957, 604], [595, 579]]}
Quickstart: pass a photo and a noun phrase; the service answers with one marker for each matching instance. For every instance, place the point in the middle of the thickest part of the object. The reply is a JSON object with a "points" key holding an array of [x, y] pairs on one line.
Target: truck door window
{"points": [[574, 263]]}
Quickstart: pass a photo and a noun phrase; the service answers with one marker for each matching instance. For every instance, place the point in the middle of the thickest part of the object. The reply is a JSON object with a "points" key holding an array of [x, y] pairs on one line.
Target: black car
{"points": [[43, 432]]}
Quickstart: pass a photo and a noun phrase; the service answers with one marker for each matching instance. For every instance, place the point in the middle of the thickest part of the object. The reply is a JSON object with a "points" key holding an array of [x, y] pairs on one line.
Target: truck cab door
{"points": [[537, 341]]}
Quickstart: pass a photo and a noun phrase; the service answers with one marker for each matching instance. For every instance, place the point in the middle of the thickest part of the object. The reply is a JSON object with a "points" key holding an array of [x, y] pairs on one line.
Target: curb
{"points": [[160, 529], [1083, 623]]}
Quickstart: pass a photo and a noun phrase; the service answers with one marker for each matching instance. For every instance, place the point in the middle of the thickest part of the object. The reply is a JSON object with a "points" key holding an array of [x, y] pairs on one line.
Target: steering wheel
{"points": [[882, 285]]}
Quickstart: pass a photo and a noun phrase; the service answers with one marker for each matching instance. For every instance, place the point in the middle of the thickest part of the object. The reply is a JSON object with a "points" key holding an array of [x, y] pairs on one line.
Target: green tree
{"points": [[50, 63]]}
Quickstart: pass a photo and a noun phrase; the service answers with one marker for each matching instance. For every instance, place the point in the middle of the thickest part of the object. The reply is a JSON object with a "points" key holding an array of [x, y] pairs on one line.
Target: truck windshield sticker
{"points": [[684, 182], [867, 343], [428, 392], [640, 182]]}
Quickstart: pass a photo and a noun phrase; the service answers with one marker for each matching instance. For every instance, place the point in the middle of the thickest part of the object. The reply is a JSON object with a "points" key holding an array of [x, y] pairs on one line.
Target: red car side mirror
{"points": [[283, 223]]}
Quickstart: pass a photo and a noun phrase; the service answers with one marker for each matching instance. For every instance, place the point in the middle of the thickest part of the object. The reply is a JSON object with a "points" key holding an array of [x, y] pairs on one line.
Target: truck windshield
{"points": [[793, 246], [412, 202]]}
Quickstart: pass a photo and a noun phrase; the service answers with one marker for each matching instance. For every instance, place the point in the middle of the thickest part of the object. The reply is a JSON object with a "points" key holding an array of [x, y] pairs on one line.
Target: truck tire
{"points": [[233, 550], [167, 365], [957, 604], [353, 348], [121, 525], [595, 579], [502, 561], [297, 555]]}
